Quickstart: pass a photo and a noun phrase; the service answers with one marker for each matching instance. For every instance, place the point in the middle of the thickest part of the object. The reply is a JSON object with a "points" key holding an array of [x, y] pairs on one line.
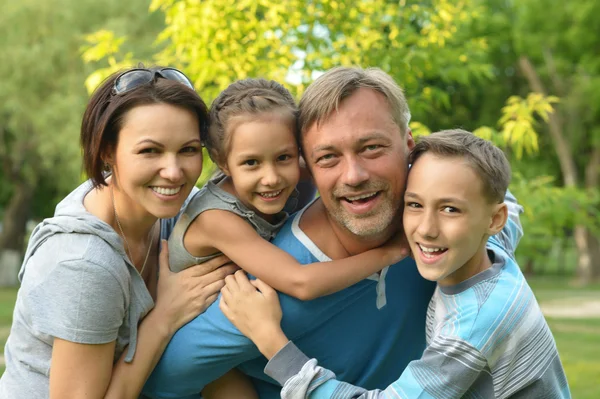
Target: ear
{"points": [[499, 218], [222, 165], [109, 156], [410, 141]]}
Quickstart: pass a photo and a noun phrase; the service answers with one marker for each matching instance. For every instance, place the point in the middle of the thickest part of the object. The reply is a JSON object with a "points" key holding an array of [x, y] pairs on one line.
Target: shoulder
{"points": [[72, 255], [494, 308]]}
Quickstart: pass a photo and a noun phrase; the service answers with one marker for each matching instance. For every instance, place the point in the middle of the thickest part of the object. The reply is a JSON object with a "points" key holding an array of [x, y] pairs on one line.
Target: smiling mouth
{"points": [[272, 194], [165, 190], [360, 199], [431, 252]]}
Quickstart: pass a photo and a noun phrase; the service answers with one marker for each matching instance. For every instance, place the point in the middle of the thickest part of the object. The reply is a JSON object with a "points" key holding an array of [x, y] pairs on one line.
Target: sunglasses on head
{"points": [[135, 78]]}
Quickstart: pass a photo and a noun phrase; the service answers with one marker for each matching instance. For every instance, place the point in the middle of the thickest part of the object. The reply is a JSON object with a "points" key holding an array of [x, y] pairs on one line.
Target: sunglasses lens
{"points": [[132, 79], [174, 74]]}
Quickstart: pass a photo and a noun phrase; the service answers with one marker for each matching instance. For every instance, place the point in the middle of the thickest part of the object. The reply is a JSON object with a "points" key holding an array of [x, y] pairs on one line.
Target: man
{"points": [[355, 140]]}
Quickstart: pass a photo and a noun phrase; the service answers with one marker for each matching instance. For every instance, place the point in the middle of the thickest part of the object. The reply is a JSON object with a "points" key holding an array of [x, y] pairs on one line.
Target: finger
{"points": [[225, 294], [208, 266], [210, 289], [210, 300], [243, 282], [163, 258], [219, 274], [263, 287]]}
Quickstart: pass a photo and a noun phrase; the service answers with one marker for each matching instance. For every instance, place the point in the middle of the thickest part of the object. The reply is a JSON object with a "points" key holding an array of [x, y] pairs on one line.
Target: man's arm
{"points": [[448, 369], [199, 353]]}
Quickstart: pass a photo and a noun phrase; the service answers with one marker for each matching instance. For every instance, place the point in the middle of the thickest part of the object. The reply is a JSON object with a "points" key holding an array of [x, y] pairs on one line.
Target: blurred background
{"points": [[522, 73]]}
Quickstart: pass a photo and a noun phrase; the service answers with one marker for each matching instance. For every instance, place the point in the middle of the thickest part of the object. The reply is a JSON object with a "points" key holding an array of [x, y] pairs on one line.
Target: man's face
{"points": [[358, 160]]}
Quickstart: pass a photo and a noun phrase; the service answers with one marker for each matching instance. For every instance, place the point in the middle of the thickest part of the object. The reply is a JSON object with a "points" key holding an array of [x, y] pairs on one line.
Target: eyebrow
{"points": [[361, 141], [445, 199], [156, 143]]}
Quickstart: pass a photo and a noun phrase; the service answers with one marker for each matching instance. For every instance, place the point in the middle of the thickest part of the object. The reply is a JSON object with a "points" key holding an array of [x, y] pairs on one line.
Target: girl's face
{"points": [[157, 160], [263, 162]]}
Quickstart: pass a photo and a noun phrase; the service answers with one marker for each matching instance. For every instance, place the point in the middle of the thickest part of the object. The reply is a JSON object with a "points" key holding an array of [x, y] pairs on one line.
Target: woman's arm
{"points": [[85, 370], [236, 238]]}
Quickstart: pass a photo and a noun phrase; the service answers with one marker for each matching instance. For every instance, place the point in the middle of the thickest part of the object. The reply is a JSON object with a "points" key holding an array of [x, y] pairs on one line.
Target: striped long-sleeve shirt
{"points": [[486, 338]]}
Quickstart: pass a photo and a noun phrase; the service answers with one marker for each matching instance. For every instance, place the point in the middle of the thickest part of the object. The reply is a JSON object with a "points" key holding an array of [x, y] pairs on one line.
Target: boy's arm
{"points": [[448, 368], [199, 353], [236, 238], [511, 234]]}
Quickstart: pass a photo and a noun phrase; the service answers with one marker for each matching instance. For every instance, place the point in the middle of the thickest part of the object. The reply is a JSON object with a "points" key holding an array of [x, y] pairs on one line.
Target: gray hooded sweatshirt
{"points": [[77, 284]]}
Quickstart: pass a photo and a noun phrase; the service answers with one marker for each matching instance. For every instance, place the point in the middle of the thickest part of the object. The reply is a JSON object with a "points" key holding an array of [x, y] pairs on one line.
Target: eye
{"points": [[372, 147], [149, 150], [250, 162], [413, 205], [325, 158], [284, 157], [450, 209], [190, 149]]}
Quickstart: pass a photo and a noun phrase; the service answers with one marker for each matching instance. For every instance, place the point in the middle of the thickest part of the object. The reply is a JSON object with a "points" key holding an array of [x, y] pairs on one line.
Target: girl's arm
{"points": [[236, 238], [87, 371]]}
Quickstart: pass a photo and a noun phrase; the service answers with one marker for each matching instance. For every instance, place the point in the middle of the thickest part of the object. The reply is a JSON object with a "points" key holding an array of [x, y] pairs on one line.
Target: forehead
{"points": [[434, 177], [165, 121], [364, 112], [262, 133]]}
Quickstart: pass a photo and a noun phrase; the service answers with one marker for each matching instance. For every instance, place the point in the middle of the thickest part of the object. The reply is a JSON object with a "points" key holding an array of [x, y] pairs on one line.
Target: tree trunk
{"points": [[592, 180], [13, 233], [562, 146]]}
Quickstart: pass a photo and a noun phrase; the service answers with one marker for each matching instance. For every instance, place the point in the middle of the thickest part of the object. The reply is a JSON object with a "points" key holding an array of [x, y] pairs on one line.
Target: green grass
{"points": [[578, 340]]}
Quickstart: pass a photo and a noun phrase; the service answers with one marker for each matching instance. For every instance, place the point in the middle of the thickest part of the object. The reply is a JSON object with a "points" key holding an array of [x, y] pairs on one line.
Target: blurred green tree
{"points": [[42, 97], [557, 50]]}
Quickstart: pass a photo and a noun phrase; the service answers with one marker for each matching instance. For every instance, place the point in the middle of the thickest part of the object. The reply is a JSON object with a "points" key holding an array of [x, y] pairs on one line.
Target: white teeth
{"points": [[359, 197], [271, 194], [166, 191], [431, 250]]}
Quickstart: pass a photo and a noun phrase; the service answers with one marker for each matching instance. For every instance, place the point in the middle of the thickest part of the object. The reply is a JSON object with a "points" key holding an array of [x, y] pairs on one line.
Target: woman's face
{"points": [[157, 160]]}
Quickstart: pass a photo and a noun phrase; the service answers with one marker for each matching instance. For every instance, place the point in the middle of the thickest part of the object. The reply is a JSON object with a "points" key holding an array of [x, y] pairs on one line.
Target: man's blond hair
{"points": [[326, 93]]}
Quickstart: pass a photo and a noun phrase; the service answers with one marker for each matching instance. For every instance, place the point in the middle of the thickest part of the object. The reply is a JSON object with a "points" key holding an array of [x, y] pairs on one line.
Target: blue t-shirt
{"points": [[367, 333]]}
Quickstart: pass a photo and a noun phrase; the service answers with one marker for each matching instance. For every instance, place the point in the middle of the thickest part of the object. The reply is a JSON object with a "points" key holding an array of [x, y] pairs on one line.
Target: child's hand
{"points": [[253, 307]]}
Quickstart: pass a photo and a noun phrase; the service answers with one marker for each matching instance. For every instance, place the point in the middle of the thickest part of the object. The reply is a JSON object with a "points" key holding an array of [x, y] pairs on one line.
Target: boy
{"points": [[486, 335]]}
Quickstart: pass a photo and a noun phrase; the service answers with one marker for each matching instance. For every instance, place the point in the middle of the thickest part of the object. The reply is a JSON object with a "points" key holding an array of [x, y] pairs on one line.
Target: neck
{"points": [[136, 223], [478, 263]]}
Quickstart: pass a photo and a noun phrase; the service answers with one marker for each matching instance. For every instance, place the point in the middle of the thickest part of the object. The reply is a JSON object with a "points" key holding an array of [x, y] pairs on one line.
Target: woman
{"points": [[90, 273]]}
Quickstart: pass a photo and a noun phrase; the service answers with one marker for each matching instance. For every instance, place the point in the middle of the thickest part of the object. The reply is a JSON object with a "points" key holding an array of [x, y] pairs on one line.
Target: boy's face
{"points": [[447, 219]]}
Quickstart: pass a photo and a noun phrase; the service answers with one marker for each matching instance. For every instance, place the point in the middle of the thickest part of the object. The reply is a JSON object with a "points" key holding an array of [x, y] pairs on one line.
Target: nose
{"points": [[271, 176], [428, 226], [354, 173], [171, 169]]}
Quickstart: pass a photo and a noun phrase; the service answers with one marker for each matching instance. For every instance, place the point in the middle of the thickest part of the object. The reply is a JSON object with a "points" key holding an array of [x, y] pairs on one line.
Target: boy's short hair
{"points": [[487, 160]]}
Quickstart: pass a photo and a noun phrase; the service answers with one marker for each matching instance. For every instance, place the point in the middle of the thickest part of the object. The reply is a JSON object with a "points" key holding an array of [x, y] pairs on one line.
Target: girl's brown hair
{"points": [[242, 99]]}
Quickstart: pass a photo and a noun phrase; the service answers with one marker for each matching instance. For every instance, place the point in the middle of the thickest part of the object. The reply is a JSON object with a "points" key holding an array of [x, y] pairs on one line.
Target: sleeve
{"points": [[79, 301], [199, 353], [511, 234], [448, 369]]}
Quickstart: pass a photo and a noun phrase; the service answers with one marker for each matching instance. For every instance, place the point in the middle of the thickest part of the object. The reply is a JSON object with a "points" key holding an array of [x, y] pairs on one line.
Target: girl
{"points": [[90, 272], [253, 140]]}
